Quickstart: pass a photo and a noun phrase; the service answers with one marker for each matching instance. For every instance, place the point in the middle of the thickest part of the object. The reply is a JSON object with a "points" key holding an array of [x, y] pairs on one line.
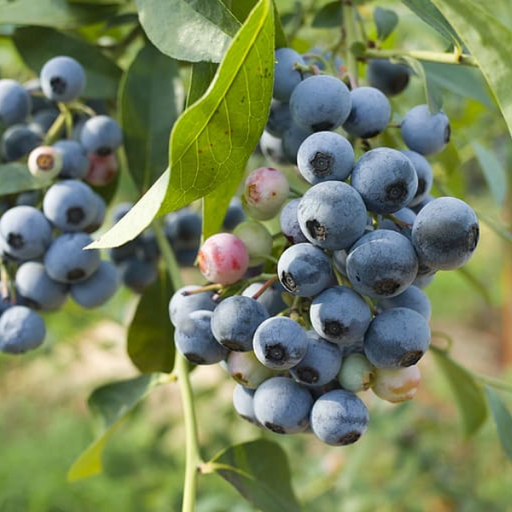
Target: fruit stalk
{"points": [[181, 370], [441, 57]]}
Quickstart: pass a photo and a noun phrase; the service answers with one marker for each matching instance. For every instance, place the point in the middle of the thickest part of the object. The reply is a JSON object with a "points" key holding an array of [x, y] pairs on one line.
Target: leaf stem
{"points": [[441, 57], [193, 458]]}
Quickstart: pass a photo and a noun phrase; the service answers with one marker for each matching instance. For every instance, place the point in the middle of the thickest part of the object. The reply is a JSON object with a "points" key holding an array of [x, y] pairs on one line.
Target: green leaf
{"points": [[37, 45], [489, 42], [52, 13], [151, 334], [432, 93], [385, 21], [328, 16], [98, 2], [462, 80], [110, 404], [494, 173], [148, 110], [496, 225], [191, 30], [503, 421], [213, 139], [15, 177], [431, 15], [260, 472], [469, 395], [200, 79]]}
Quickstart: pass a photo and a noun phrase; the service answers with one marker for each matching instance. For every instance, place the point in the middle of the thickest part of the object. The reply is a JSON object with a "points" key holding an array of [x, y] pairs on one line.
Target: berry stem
{"points": [[264, 287], [193, 458], [441, 57], [53, 133], [350, 37]]}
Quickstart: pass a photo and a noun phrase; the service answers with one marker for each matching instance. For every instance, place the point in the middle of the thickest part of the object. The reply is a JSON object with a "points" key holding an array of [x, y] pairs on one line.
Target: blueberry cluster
{"points": [[340, 308], [43, 232]]}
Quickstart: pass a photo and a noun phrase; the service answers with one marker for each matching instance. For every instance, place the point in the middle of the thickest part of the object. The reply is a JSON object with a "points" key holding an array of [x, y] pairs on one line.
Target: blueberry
{"points": [[325, 156], [304, 270], [66, 261], [21, 329], [320, 102], [357, 373], [424, 132], [445, 233], [101, 135], [25, 232], [43, 121], [99, 218], [18, 141], [400, 221], [98, 288], [332, 215], [62, 79], [425, 176], [15, 102], [70, 205], [38, 289], [286, 76], [181, 304], [340, 315], [386, 180], [320, 364], [370, 113], [412, 298], [271, 299], [138, 274], [183, 228], [292, 138], [75, 163], [279, 118], [272, 149], [396, 338], [382, 263], [280, 343], [282, 406], [389, 78], [289, 222], [246, 369], [235, 214], [195, 341], [235, 320], [339, 418], [243, 402]]}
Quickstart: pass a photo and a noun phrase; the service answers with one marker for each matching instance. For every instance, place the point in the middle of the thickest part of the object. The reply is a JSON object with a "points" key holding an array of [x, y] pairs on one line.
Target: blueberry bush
{"points": [[277, 183]]}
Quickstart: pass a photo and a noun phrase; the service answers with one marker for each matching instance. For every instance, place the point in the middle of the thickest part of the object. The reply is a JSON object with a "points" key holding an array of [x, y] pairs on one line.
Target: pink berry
{"points": [[102, 169], [223, 258], [266, 189], [396, 385]]}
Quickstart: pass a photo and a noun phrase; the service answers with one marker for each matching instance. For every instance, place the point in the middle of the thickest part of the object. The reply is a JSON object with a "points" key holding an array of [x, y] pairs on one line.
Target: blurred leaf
{"points": [[461, 80], [260, 472], [15, 177], [97, 2], [146, 92], [151, 335], [52, 13], [110, 404], [503, 421], [213, 139], [433, 95], [38, 45], [489, 42], [385, 21], [479, 287], [328, 16], [494, 173], [194, 30], [431, 15], [497, 226], [469, 396], [200, 79]]}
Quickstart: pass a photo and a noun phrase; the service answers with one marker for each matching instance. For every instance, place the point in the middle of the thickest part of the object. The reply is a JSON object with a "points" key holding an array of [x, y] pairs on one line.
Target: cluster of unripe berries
{"points": [[43, 231], [342, 310]]}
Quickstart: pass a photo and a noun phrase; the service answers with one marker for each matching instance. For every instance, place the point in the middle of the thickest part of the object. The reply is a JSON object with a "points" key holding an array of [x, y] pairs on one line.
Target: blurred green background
{"points": [[414, 456]]}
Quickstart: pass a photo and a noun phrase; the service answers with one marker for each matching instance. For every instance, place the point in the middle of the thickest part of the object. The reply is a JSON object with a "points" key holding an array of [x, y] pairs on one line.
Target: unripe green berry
{"points": [[356, 374], [257, 239]]}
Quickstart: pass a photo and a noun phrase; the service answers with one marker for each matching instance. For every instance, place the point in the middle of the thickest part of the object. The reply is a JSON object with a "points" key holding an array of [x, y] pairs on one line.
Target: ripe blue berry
{"points": [[389, 78], [286, 76], [101, 135], [182, 304], [98, 288], [15, 102], [62, 79], [21, 329]]}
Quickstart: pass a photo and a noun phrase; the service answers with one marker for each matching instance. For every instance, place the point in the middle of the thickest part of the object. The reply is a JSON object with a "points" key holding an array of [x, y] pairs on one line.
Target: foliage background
{"points": [[414, 456]]}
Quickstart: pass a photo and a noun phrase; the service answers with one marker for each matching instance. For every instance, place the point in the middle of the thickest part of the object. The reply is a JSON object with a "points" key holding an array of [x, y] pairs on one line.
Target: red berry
{"points": [[102, 169], [223, 258]]}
